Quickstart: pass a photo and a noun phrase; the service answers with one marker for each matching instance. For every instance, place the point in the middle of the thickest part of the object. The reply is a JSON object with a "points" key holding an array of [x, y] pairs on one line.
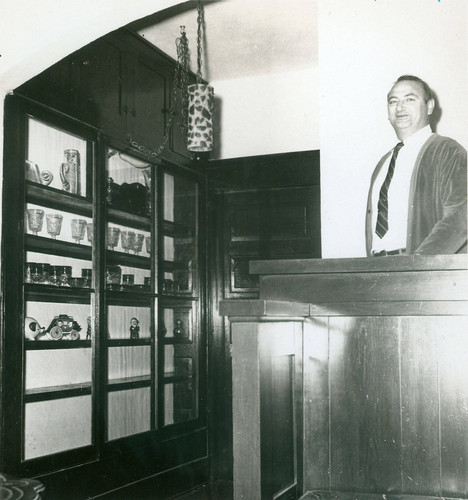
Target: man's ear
{"points": [[430, 106]]}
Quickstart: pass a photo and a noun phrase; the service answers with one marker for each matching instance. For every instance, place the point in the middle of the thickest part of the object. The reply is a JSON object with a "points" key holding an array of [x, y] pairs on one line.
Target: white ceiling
{"points": [[242, 37]]}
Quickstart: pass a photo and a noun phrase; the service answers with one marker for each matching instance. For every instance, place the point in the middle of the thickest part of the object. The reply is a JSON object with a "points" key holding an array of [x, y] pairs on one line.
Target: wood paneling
{"points": [[316, 407], [364, 404], [366, 286], [246, 411], [385, 392], [267, 409], [453, 378], [420, 452], [268, 223]]}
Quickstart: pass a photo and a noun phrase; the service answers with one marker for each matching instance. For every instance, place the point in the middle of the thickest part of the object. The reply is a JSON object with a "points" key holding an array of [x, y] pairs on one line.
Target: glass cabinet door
{"points": [[58, 326], [179, 300], [130, 298]]}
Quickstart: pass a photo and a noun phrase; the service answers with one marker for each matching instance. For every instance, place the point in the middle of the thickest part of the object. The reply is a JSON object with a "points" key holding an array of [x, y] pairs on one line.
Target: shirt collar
{"points": [[419, 137]]}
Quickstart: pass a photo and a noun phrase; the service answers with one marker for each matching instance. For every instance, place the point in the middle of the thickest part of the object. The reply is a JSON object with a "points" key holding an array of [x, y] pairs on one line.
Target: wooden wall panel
{"points": [[278, 414], [365, 434], [420, 405], [453, 377], [316, 414]]}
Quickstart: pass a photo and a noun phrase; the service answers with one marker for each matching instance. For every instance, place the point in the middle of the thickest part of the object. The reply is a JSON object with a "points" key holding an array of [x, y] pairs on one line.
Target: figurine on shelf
{"points": [[88, 329], [32, 329], [63, 327], [178, 329], [134, 328]]}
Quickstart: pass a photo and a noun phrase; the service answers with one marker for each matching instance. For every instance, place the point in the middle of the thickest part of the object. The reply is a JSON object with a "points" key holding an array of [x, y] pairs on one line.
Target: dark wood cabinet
{"points": [[103, 360], [120, 84], [99, 85]]}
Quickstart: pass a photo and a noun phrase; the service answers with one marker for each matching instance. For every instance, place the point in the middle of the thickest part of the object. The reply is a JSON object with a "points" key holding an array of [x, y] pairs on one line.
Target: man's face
{"points": [[408, 111]]}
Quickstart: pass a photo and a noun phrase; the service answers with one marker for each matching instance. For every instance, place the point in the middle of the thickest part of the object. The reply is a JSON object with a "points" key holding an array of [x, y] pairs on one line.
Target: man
{"points": [[417, 198]]}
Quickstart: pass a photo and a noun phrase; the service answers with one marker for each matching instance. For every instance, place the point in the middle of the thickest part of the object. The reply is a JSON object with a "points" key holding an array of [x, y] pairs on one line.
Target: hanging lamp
{"points": [[200, 101]]}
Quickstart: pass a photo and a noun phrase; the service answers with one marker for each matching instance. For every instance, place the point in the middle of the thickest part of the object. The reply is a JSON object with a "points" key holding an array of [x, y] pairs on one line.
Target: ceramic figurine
{"points": [[88, 329], [134, 328]]}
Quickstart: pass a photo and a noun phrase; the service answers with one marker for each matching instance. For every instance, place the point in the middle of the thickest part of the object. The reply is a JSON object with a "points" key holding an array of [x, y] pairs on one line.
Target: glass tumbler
{"points": [[138, 245], [128, 240], [113, 234], [54, 224], [35, 219], [78, 227]]}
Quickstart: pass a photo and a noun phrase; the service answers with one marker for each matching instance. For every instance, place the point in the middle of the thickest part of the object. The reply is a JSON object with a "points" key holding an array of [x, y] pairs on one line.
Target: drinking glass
{"points": [[35, 219], [54, 224], [138, 245], [113, 234], [78, 227], [128, 240]]}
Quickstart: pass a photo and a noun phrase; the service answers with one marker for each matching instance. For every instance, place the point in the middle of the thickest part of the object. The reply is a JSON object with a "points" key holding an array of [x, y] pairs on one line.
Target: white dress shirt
{"points": [[398, 193]]}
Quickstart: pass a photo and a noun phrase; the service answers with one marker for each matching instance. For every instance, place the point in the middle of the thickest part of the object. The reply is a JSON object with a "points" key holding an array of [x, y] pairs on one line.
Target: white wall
{"points": [[364, 45], [269, 114]]}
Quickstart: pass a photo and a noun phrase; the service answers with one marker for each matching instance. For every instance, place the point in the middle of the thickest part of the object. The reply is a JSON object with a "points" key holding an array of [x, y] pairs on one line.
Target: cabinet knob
{"points": [[86, 62]]}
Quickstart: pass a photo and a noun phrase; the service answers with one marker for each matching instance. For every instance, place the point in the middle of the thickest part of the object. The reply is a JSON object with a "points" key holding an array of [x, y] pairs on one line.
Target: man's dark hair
{"points": [[427, 90]]}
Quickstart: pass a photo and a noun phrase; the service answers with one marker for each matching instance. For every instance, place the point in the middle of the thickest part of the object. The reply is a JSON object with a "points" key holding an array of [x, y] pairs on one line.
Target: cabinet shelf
{"points": [[128, 219], [126, 259], [180, 297], [117, 297], [57, 392], [41, 345], [119, 384], [128, 342], [41, 244], [58, 199], [61, 294]]}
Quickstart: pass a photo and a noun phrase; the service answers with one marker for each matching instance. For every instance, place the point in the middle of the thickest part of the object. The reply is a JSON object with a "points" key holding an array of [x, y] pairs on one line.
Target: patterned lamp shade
{"points": [[200, 118]]}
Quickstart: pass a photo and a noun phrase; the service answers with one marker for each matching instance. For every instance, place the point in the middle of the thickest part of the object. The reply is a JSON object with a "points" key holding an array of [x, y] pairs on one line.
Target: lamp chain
{"points": [[179, 88], [200, 24]]}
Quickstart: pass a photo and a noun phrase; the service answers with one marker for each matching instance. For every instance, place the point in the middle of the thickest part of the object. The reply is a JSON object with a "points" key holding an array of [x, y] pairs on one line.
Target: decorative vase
{"points": [[70, 172]]}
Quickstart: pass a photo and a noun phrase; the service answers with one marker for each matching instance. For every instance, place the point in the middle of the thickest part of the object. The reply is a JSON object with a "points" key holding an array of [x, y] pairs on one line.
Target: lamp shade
{"points": [[200, 118]]}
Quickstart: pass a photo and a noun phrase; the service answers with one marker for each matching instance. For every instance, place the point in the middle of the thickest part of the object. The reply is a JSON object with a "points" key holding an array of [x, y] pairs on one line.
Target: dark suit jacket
{"points": [[437, 209]]}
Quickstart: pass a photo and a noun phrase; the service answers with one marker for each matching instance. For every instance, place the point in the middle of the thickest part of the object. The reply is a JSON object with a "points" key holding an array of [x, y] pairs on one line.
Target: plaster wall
{"points": [[364, 46], [275, 113]]}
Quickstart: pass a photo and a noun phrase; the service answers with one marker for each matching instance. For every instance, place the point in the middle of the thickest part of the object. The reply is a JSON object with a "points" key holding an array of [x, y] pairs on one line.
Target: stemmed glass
{"points": [[138, 245], [128, 240], [78, 227], [54, 224], [35, 220], [113, 234]]}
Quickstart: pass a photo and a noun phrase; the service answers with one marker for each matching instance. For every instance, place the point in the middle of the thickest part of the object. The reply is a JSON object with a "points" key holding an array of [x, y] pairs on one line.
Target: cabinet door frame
{"points": [[17, 112]]}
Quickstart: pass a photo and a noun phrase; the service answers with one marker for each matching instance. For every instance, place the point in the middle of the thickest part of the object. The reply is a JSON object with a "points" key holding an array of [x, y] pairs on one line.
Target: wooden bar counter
{"points": [[381, 376]]}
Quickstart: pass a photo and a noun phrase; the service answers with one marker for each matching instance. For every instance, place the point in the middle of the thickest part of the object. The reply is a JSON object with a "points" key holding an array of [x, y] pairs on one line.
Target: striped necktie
{"points": [[381, 226]]}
